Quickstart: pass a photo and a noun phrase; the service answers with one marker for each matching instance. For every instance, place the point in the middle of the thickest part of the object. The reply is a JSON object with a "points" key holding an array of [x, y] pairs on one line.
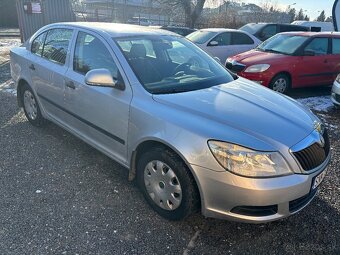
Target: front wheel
{"points": [[280, 83], [31, 107], [167, 184]]}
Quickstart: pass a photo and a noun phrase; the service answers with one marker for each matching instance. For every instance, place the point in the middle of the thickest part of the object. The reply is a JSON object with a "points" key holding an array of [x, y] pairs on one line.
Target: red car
{"points": [[291, 60]]}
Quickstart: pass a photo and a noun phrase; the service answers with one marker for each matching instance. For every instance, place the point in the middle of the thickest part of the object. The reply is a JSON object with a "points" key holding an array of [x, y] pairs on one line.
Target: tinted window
{"points": [[240, 38], [336, 46], [38, 44], [223, 39], [56, 45], [268, 32], [318, 45], [288, 28], [90, 53]]}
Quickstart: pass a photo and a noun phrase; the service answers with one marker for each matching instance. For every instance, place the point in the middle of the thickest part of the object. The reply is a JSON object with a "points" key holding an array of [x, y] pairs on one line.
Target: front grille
{"points": [[234, 68], [314, 155], [297, 204], [256, 211]]}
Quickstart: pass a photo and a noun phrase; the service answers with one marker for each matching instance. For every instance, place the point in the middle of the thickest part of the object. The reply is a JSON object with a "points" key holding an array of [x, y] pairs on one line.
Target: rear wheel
{"points": [[280, 83], [167, 184], [31, 107]]}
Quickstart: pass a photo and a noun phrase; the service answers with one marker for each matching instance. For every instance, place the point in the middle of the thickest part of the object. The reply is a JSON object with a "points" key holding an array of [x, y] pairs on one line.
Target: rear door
{"points": [[268, 31], [315, 70], [49, 64], [99, 114]]}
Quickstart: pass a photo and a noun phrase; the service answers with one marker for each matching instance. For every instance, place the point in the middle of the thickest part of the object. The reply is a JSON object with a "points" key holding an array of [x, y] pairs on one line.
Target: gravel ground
{"points": [[61, 196]]}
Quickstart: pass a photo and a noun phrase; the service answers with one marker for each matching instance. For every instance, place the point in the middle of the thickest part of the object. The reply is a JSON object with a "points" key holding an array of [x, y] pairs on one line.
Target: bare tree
{"points": [[192, 9]]}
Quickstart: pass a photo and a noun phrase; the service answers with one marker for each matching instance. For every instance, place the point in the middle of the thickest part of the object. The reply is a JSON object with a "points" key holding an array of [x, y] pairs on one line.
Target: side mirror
{"points": [[213, 43], [309, 53], [102, 78]]}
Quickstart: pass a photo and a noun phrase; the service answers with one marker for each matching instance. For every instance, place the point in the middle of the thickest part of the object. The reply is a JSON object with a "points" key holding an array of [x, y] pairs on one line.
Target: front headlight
{"points": [[257, 68], [247, 162]]}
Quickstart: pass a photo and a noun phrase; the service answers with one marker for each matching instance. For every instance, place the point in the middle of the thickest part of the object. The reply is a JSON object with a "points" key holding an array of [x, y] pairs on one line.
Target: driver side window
{"points": [[223, 39], [90, 53]]}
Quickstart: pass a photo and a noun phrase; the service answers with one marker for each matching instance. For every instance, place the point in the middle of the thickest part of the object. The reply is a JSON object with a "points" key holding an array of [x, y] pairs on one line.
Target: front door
{"points": [[314, 67], [98, 114]]}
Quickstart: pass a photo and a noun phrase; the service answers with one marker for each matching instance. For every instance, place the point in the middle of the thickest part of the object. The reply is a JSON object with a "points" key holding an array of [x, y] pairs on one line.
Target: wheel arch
{"points": [[20, 85], [152, 143], [289, 75]]}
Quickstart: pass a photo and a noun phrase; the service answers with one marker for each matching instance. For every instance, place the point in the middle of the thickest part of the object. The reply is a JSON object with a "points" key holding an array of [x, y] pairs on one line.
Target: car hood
{"points": [[260, 57], [246, 107]]}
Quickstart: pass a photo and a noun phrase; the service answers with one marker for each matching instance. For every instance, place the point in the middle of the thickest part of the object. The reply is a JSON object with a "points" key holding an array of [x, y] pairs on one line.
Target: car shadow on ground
{"points": [[310, 92]]}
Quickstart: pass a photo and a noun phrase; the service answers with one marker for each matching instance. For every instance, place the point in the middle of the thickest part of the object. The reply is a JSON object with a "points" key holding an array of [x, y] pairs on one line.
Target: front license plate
{"points": [[318, 179]]}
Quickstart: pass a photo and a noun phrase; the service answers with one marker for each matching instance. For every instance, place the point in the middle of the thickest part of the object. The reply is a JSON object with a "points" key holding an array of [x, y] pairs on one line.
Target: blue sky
{"points": [[313, 7]]}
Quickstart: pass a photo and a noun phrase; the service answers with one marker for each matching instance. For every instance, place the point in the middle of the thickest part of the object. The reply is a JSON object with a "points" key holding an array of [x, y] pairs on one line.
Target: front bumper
{"points": [[227, 196], [336, 93]]}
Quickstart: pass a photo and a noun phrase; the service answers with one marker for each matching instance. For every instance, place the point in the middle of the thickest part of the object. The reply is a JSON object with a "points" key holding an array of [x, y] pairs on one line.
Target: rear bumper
{"points": [[228, 196]]}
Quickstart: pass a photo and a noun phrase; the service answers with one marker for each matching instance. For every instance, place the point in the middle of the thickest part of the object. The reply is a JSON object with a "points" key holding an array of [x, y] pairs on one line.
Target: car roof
{"points": [[220, 30], [314, 34], [115, 29]]}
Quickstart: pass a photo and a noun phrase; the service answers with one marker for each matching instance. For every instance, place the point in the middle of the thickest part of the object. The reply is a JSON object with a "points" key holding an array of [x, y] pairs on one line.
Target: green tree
{"points": [[322, 17], [300, 15], [292, 14], [306, 18]]}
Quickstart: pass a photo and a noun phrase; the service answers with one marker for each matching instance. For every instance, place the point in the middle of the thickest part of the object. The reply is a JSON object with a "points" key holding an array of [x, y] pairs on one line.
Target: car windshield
{"points": [[283, 44], [201, 36], [171, 64], [252, 28]]}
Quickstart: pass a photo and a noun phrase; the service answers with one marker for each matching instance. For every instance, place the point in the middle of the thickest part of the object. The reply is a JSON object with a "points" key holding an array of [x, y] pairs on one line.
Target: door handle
{"points": [[32, 67], [70, 84]]}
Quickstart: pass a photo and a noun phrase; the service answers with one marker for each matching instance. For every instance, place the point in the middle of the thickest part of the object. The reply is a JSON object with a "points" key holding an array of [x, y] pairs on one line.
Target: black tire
{"points": [[278, 80], [189, 197], [36, 120]]}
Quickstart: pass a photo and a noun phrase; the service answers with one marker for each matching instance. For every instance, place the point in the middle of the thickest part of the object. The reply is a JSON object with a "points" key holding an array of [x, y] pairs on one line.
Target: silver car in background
{"points": [[193, 135], [222, 42]]}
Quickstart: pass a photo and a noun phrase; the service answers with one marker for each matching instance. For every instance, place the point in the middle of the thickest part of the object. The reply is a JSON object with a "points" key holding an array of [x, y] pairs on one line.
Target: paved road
{"points": [[61, 196]]}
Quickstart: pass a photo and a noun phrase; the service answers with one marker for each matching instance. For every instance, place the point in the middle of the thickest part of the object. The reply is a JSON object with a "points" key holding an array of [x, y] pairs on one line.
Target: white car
{"points": [[336, 92], [223, 43]]}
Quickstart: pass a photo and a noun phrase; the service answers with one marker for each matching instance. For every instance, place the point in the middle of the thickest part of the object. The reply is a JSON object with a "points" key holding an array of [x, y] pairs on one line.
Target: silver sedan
{"points": [[194, 136]]}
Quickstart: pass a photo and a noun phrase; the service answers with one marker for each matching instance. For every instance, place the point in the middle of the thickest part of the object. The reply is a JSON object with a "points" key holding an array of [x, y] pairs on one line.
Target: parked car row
{"points": [[284, 61]]}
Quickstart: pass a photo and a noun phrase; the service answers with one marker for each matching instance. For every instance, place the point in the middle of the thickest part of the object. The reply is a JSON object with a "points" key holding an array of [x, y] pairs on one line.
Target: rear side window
{"points": [[38, 44], [268, 32], [318, 45], [56, 45], [90, 53], [336, 46], [240, 39], [223, 39]]}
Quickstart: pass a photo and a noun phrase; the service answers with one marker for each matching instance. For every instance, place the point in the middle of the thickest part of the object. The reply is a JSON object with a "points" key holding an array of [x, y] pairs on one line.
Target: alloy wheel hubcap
{"points": [[280, 85], [30, 105], [162, 185]]}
